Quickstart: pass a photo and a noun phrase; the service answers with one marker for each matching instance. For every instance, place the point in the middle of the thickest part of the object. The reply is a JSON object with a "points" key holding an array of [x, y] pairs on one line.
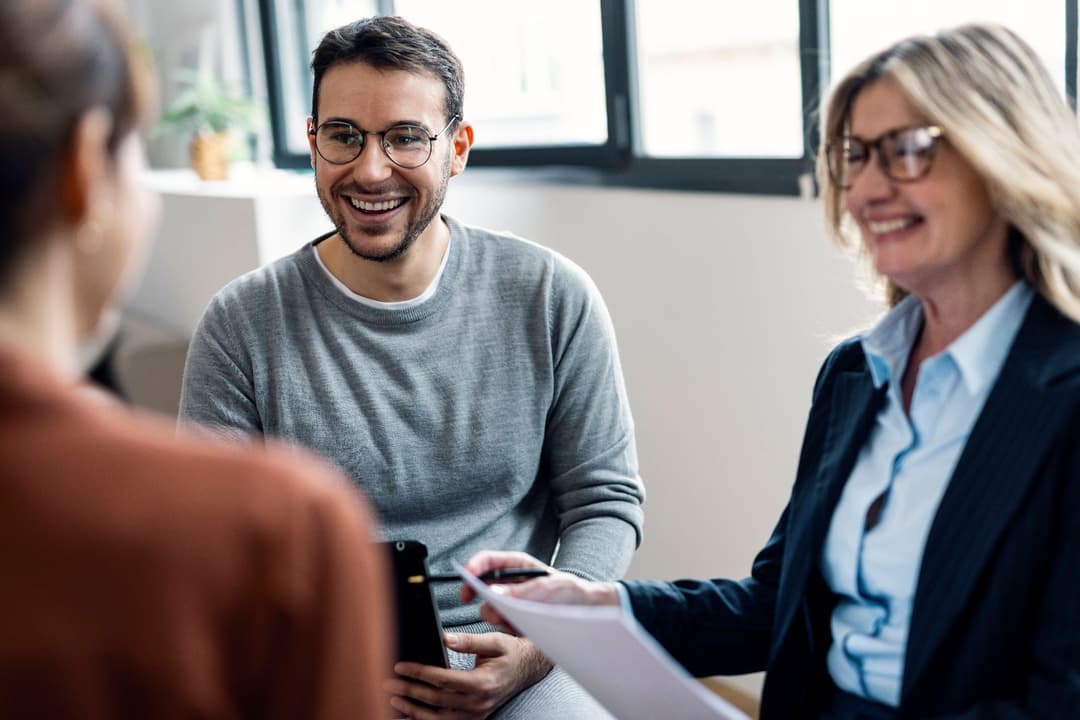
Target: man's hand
{"points": [[505, 665]]}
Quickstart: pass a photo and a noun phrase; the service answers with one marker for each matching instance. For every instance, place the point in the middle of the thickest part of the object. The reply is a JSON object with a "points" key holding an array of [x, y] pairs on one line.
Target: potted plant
{"points": [[207, 111]]}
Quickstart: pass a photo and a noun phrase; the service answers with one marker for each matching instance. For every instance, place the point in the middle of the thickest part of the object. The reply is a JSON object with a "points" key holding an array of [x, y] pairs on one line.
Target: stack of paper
{"points": [[612, 657]]}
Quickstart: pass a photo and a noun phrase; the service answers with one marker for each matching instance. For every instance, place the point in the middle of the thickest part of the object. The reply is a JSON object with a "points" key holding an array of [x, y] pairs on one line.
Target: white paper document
{"points": [[612, 657]]}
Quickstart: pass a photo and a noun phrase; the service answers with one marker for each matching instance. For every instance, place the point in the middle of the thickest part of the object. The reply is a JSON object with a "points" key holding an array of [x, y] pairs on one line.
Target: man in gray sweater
{"points": [[468, 381]]}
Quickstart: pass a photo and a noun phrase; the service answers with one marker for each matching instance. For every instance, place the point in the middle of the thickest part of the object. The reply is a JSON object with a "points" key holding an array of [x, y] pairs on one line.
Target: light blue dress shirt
{"points": [[911, 457]]}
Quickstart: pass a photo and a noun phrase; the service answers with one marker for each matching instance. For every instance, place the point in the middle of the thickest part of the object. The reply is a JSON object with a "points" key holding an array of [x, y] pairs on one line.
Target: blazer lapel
{"points": [[855, 406], [992, 475], [849, 417]]}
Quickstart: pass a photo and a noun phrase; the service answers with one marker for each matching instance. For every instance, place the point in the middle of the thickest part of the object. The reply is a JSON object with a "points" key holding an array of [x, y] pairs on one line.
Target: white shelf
{"points": [[214, 231], [245, 181]]}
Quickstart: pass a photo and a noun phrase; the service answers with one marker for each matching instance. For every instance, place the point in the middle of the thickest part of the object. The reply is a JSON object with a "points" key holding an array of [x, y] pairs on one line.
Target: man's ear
{"points": [[311, 139], [86, 166], [463, 140]]}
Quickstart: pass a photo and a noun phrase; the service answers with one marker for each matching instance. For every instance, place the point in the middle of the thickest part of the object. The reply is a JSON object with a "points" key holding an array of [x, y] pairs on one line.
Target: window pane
{"points": [[531, 77], [324, 15], [719, 78], [534, 71], [310, 18], [860, 28]]}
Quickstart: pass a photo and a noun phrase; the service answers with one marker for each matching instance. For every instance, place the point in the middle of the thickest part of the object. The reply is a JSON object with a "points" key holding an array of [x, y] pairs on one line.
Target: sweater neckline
{"points": [[313, 273]]}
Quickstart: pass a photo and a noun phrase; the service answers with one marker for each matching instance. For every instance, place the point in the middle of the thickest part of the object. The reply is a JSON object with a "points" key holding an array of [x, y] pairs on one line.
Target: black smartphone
{"points": [[420, 634]]}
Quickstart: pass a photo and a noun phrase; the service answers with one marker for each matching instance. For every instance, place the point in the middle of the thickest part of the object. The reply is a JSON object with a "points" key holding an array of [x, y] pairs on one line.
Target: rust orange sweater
{"points": [[148, 576]]}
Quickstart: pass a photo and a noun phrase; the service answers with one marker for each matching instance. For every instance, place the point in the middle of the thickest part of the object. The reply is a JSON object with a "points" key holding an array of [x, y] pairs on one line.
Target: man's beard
{"points": [[413, 230]]}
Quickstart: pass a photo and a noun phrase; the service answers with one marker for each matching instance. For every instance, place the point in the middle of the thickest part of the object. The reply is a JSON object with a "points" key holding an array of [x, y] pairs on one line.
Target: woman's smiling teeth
{"points": [[381, 206], [880, 227]]}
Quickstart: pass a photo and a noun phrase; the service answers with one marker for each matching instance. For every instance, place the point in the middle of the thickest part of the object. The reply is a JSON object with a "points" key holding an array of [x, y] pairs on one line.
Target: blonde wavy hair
{"points": [[1003, 113]]}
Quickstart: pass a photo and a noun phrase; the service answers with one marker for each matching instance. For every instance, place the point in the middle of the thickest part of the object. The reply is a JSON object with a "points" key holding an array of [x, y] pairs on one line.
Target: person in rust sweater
{"points": [[143, 575]]}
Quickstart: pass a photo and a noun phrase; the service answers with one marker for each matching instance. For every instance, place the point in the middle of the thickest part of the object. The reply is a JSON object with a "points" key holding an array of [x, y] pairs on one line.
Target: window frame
{"points": [[618, 161]]}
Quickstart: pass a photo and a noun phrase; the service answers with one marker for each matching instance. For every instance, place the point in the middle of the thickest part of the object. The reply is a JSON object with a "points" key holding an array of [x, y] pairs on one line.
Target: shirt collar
{"points": [[888, 344], [979, 353]]}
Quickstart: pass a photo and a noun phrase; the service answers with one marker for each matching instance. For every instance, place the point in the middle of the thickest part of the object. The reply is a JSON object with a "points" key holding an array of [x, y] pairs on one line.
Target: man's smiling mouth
{"points": [[377, 207]]}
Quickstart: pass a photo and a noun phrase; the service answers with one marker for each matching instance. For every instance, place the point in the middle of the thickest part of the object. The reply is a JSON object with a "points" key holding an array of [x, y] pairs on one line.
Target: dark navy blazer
{"points": [[995, 624]]}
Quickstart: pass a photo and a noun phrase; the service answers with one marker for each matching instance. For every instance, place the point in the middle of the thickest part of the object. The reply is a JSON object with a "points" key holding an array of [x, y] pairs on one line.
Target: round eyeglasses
{"points": [[407, 146], [904, 154]]}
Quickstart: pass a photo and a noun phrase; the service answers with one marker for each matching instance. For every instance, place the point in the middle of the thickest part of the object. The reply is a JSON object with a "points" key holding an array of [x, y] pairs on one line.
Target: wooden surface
{"points": [[736, 696]]}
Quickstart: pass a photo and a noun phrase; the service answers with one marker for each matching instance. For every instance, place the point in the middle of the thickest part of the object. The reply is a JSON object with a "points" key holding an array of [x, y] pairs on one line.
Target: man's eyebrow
{"points": [[336, 118], [395, 123]]}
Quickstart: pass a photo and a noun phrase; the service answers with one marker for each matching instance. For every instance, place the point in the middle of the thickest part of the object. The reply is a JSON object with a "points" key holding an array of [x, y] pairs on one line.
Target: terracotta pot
{"points": [[210, 155]]}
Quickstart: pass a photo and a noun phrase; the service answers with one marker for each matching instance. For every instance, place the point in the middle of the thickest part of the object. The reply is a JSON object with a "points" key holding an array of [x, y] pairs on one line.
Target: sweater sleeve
{"points": [[589, 451], [218, 391]]}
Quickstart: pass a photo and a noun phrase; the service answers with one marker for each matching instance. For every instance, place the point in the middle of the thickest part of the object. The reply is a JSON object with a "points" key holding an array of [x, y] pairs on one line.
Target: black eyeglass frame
{"points": [[936, 133], [314, 132]]}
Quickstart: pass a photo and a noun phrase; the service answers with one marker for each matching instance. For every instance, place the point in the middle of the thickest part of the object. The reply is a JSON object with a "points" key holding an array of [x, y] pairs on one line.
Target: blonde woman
{"points": [[928, 562], [142, 575]]}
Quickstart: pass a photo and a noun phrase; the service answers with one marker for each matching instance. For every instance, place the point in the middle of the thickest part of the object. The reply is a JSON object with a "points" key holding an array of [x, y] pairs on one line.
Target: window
{"points": [[534, 70], [290, 31], [859, 28], [700, 78], [685, 94]]}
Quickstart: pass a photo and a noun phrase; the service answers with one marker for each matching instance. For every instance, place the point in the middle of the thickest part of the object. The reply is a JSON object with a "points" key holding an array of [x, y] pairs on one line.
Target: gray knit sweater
{"points": [[491, 416]]}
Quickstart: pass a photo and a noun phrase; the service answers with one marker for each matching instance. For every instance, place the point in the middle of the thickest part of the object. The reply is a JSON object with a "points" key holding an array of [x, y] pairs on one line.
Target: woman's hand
{"points": [[557, 587]]}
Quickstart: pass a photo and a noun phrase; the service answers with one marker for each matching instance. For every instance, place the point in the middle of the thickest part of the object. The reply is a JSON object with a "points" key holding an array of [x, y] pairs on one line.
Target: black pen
{"points": [[499, 575]]}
